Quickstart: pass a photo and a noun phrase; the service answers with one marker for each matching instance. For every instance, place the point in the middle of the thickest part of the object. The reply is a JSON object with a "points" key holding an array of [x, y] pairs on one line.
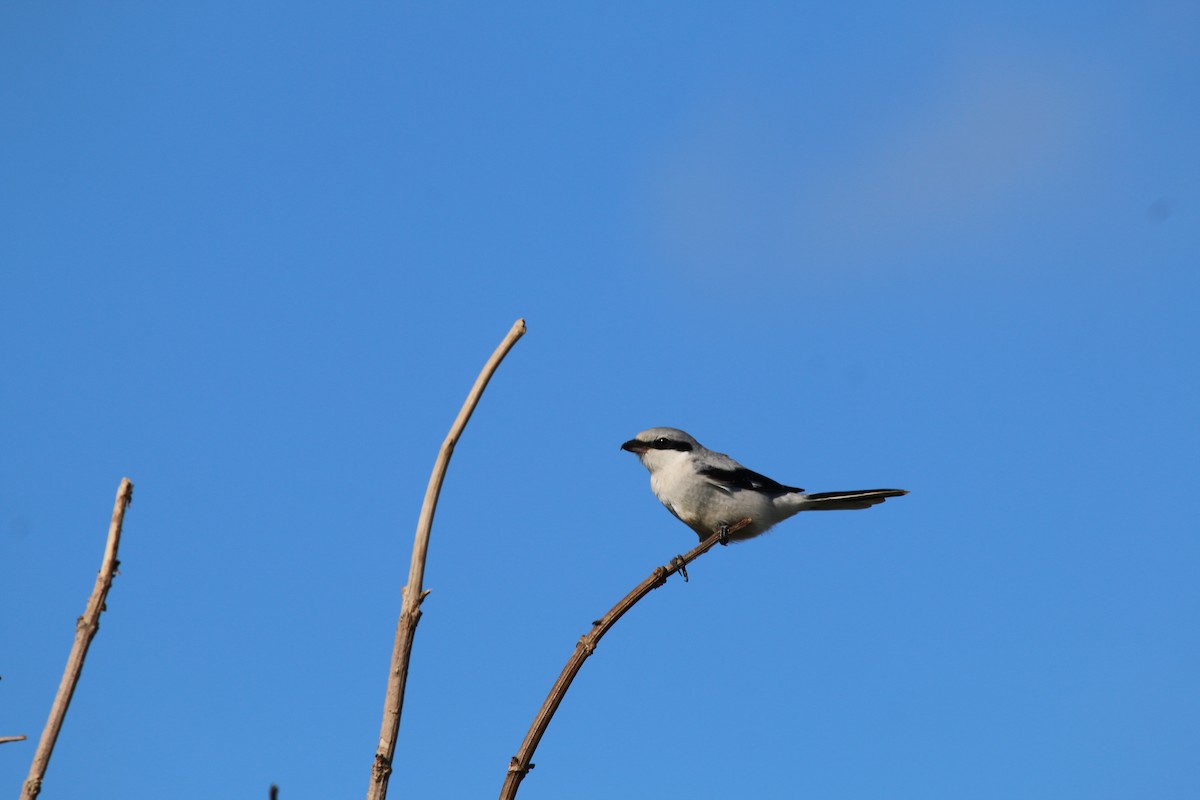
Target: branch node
{"points": [[514, 766], [383, 766], [660, 576]]}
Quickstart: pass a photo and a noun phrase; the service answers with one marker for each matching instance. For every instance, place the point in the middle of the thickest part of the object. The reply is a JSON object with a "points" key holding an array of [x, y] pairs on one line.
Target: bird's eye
{"points": [[667, 443]]}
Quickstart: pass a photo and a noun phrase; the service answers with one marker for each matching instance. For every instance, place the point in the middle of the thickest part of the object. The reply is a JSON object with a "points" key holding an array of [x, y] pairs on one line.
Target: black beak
{"points": [[635, 446]]}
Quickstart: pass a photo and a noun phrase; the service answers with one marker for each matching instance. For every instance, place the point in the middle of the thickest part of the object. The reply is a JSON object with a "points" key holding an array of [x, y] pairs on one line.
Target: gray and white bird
{"points": [[710, 492]]}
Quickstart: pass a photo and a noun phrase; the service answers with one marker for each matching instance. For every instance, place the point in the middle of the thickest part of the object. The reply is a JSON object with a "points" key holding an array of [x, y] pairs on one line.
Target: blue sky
{"points": [[253, 256]]}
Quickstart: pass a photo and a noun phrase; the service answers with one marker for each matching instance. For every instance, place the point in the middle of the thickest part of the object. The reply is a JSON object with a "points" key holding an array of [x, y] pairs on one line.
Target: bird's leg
{"points": [[680, 566], [724, 531]]}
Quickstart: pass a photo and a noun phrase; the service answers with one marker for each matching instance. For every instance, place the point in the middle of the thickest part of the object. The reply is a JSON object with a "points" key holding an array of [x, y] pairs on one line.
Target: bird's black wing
{"points": [[740, 478]]}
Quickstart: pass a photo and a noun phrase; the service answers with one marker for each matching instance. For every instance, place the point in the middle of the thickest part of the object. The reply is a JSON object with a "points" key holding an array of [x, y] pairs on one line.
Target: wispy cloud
{"points": [[739, 193]]}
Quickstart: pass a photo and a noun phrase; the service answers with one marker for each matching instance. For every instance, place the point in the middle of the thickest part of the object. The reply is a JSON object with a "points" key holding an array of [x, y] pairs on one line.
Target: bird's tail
{"points": [[842, 501]]}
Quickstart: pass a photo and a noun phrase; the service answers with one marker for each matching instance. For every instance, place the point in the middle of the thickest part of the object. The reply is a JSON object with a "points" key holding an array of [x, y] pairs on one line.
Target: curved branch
{"points": [[521, 763], [85, 631], [413, 594]]}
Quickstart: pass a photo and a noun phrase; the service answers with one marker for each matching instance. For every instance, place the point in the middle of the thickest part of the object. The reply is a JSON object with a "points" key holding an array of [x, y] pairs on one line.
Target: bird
{"points": [[714, 495]]}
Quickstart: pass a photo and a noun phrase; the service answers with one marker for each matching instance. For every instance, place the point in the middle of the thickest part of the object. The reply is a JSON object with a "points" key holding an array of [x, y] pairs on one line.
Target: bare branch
{"points": [[413, 594], [85, 631], [7, 739], [522, 762]]}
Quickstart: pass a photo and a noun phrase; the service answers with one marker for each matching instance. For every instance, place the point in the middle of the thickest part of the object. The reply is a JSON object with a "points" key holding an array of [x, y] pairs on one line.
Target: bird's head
{"points": [[661, 447]]}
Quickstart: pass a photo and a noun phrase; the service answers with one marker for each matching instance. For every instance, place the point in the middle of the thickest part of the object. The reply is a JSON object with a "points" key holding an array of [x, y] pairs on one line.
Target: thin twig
{"points": [[413, 594], [85, 630], [7, 739], [522, 762]]}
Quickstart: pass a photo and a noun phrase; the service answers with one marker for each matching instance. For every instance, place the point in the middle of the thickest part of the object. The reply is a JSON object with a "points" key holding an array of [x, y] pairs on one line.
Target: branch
{"points": [[521, 763], [7, 739], [85, 630], [413, 594]]}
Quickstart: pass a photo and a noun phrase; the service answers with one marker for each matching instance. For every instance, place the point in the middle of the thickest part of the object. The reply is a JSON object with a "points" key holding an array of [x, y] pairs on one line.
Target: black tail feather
{"points": [[844, 501]]}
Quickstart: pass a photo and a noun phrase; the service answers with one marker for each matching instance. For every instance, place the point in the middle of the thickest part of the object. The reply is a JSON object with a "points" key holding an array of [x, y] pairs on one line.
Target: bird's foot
{"points": [[724, 531], [680, 566]]}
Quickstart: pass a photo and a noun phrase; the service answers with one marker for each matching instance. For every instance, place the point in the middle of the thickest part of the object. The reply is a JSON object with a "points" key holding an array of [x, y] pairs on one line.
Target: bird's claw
{"points": [[723, 535], [680, 566]]}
